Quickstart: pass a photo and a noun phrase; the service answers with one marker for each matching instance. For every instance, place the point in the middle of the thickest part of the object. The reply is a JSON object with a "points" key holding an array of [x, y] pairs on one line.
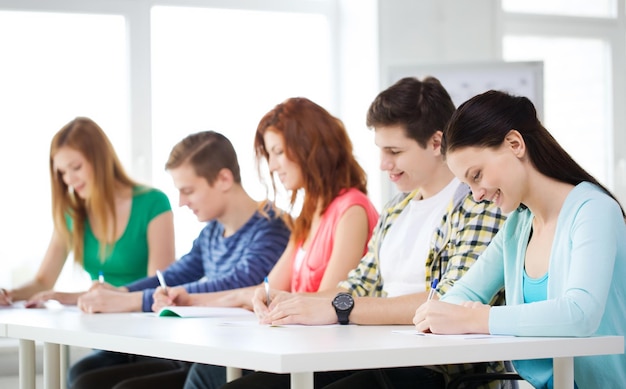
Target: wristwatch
{"points": [[343, 304]]}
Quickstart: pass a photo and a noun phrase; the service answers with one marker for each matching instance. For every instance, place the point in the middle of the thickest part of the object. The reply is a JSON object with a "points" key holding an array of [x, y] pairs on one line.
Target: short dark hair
{"points": [[421, 107]]}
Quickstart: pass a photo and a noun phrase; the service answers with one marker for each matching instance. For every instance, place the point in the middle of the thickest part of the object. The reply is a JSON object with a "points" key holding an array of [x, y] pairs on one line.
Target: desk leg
{"points": [[51, 366], [64, 364], [27, 364], [563, 373], [302, 380], [232, 373]]}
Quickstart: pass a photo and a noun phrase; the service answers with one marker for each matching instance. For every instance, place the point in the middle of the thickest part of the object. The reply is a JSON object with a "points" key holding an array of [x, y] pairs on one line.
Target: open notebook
{"points": [[204, 312]]}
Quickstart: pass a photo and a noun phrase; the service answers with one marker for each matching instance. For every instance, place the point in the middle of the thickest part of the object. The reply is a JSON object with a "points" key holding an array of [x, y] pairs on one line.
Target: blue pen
{"points": [[101, 277], [266, 283], [433, 285]]}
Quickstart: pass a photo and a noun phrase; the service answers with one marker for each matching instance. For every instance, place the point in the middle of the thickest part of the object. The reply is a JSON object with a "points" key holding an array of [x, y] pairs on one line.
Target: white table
{"points": [[297, 350]]}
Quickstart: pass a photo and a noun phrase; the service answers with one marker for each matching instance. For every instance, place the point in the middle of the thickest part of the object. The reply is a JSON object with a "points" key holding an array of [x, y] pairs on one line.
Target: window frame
{"points": [[613, 32], [137, 14]]}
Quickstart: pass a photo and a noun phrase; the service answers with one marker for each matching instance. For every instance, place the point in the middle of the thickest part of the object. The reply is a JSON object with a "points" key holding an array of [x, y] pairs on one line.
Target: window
{"points": [[55, 66], [582, 47], [204, 82], [593, 8], [576, 102], [151, 72]]}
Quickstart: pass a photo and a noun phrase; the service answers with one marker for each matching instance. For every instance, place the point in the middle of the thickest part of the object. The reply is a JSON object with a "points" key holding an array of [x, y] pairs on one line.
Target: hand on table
{"points": [[39, 299], [104, 300], [297, 309], [259, 301], [444, 318]]}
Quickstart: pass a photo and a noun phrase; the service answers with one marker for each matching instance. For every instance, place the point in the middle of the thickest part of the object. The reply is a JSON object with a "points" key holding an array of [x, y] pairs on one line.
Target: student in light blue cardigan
{"points": [[561, 254]]}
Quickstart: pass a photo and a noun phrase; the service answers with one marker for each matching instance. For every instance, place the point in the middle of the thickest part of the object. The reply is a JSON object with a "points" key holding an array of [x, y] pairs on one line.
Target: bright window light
{"points": [[222, 70], [577, 103], [54, 67], [592, 8]]}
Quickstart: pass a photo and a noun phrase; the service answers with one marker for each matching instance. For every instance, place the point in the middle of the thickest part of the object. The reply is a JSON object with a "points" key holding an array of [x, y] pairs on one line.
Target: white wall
{"points": [[434, 31]]}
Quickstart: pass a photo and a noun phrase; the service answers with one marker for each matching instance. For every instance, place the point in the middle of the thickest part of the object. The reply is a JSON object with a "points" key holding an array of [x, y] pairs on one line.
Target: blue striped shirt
{"points": [[217, 263]]}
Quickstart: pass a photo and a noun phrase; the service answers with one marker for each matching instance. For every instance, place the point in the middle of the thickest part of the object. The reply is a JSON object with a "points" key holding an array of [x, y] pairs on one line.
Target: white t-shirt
{"points": [[405, 248]]}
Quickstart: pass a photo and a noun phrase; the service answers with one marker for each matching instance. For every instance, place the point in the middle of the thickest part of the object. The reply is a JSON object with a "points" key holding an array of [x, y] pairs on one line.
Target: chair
{"points": [[475, 379]]}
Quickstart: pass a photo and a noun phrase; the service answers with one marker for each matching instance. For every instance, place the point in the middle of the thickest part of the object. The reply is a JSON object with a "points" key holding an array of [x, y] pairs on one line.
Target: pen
{"points": [[267, 290], [161, 281], [6, 294], [433, 285], [101, 277]]}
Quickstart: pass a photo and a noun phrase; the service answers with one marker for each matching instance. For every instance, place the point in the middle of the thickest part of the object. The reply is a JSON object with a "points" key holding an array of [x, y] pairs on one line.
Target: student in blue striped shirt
{"points": [[238, 247]]}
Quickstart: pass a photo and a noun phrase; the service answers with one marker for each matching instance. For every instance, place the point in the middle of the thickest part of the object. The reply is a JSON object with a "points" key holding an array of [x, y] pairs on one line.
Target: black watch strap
{"points": [[343, 317]]}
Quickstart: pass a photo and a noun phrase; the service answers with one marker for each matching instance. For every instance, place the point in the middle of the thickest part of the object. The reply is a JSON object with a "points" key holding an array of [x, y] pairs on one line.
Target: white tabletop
{"points": [[240, 342]]}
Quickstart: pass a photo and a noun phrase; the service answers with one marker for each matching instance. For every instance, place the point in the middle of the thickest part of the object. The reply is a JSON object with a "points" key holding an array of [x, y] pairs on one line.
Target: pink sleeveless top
{"points": [[309, 276]]}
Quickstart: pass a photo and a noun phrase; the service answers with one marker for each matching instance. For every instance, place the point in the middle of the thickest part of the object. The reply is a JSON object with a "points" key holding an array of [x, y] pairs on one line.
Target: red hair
{"points": [[319, 143]]}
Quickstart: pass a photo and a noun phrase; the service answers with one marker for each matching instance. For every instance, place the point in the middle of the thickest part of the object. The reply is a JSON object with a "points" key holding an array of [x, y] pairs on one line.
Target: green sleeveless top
{"points": [[127, 259]]}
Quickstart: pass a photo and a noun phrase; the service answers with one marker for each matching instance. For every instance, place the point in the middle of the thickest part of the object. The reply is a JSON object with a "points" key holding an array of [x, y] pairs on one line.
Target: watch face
{"points": [[343, 302]]}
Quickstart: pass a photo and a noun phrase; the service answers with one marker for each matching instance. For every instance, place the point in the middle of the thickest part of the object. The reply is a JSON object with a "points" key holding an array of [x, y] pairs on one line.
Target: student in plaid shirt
{"points": [[432, 229]]}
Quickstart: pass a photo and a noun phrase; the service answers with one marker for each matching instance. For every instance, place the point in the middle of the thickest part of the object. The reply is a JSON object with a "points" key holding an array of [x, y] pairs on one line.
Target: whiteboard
{"points": [[465, 80]]}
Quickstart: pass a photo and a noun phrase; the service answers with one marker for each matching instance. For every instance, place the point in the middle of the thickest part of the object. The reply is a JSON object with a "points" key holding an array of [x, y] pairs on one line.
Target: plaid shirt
{"points": [[465, 230]]}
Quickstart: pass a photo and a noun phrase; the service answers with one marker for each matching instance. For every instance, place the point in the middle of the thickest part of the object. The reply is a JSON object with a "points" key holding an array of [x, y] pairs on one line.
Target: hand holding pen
{"points": [[175, 296], [100, 283], [259, 302], [5, 297], [161, 281], [433, 289], [266, 283]]}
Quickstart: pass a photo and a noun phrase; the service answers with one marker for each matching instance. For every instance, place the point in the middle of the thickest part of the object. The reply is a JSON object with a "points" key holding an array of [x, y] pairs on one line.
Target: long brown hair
{"points": [[85, 136], [319, 143], [486, 119]]}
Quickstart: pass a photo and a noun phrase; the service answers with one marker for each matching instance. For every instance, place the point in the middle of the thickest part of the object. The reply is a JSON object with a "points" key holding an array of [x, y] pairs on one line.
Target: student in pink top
{"points": [[310, 264], [307, 148], [309, 151]]}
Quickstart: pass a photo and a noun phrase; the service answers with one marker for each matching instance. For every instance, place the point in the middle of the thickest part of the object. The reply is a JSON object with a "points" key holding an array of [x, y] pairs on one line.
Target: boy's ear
{"points": [[224, 179], [515, 142], [435, 141]]}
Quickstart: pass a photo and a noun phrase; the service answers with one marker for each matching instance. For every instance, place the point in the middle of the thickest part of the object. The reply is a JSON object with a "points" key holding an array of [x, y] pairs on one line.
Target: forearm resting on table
{"points": [[386, 311], [29, 289], [133, 301], [111, 301], [241, 297]]}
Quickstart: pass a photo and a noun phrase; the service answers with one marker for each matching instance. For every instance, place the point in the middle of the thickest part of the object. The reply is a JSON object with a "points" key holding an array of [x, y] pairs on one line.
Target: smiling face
{"points": [[194, 192], [408, 165], [493, 174], [288, 171], [75, 171]]}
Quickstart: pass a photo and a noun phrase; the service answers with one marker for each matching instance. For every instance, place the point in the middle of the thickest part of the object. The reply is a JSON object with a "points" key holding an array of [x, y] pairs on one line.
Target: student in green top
{"points": [[115, 227]]}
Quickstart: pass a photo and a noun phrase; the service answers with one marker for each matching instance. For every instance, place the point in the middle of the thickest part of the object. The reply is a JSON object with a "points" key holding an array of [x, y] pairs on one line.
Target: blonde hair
{"points": [[85, 136]]}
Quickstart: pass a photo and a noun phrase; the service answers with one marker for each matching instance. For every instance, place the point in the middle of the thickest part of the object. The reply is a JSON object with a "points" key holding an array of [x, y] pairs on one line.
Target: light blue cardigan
{"points": [[586, 286]]}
